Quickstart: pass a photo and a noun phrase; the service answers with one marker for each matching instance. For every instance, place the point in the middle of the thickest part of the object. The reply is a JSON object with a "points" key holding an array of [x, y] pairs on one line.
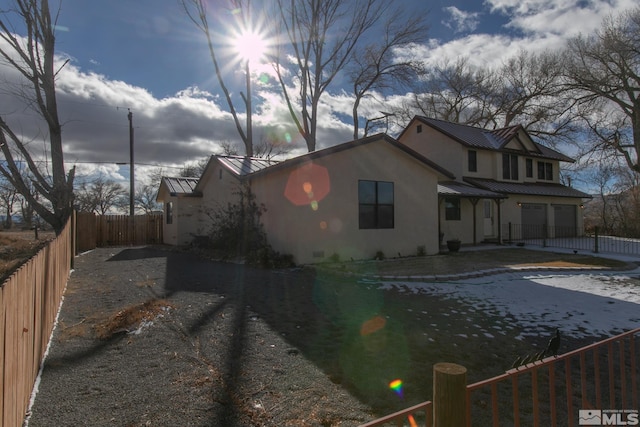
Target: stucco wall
{"points": [[313, 233]]}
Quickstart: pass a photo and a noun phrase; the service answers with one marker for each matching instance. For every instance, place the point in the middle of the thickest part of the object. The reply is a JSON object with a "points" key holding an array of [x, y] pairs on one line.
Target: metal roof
{"points": [[531, 189], [490, 139], [242, 165], [180, 185], [459, 189]]}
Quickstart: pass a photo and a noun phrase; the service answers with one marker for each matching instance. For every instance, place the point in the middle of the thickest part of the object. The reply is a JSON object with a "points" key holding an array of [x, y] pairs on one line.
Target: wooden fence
{"points": [[29, 302], [117, 230], [601, 379]]}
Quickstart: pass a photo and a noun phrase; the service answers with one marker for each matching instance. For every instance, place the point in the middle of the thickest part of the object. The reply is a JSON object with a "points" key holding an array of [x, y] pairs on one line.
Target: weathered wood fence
{"points": [[117, 230], [29, 302], [601, 379]]}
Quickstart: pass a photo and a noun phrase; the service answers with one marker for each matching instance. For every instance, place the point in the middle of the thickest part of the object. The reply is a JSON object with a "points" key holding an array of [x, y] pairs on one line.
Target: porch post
{"points": [[474, 202]]}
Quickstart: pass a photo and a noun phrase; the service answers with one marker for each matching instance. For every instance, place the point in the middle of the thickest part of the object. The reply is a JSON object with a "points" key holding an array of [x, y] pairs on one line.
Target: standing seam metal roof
{"points": [[180, 185], [489, 139]]}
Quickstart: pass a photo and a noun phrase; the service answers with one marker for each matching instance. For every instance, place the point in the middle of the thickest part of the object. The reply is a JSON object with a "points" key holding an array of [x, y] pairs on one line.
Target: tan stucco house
{"points": [[437, 181], [350, 200], [523, 196]]}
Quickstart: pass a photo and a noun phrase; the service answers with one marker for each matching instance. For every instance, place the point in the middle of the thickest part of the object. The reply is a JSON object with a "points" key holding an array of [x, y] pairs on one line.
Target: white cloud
{"points": [[460, 21]]}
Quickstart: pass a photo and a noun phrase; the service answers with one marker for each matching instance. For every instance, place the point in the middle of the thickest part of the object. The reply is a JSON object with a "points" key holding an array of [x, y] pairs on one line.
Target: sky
{"points": [[147, 57]]}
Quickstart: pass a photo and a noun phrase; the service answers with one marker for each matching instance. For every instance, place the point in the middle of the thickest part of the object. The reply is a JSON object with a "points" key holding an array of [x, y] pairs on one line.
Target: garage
{"points": [[534, 219], [565, 220]]}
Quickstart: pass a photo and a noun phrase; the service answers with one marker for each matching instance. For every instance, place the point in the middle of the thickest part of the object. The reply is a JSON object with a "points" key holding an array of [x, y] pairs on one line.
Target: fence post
{"points": [[449, 395], [510, 239], [596, 240], [545, 232]]}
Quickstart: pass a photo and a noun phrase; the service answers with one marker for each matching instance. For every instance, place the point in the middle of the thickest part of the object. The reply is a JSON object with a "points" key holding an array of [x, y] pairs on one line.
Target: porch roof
{"points": [[530, 189], [460, 189]]}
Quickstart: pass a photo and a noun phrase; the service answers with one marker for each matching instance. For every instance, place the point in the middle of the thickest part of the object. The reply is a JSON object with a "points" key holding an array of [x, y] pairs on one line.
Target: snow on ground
{"points": [[581, 304]]}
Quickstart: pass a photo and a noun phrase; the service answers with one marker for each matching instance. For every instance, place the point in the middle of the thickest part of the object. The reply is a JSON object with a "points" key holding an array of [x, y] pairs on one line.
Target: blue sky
{"points": [[147, 56]]}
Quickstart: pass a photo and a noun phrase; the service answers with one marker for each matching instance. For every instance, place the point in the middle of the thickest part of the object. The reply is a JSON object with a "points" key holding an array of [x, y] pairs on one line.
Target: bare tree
{"points": [[145, 199], [199, 13], [101, 196], [456, 92], [604, 71], [33, 57], [8, 198], [320, 37], [376, 67]]}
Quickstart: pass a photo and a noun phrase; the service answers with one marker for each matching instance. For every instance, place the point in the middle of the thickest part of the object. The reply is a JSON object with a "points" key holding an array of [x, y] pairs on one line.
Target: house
{"points": [[523, 196], [351, 200], [403, 196]]}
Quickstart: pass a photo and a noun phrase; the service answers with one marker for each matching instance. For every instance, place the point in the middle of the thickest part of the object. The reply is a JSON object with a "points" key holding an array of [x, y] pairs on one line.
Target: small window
{"points": [[452, 209], [545, 171], [376, 204], [419, 129], [529, 168], [510, 166], [169, 212], [472, 161]]}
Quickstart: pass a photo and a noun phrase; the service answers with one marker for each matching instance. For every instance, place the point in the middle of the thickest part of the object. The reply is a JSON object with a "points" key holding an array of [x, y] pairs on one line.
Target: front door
{"points": [[488, 210]]}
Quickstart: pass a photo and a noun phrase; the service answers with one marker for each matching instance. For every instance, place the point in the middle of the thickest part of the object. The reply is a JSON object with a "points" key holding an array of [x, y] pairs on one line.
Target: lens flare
{"points": [[396, 386], [373, 325], [412, 421]]}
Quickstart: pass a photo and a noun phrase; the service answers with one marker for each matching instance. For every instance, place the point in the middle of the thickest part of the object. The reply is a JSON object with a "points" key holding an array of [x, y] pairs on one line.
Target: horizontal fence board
{"points": [[117, 230]]}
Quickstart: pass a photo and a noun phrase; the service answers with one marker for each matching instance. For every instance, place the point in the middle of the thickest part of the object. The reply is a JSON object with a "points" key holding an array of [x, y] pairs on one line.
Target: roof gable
{"points": [[353, 144], [511, 138]]}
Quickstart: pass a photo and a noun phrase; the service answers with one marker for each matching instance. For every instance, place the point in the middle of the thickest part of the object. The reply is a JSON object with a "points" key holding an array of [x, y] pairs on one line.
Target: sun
{"points": [[250, 46]]}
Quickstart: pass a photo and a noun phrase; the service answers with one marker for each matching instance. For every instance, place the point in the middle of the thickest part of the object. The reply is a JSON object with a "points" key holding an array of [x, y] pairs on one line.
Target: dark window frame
{"points": [[472, 160], [168, 208], [375, 211], [452, 211], [545, 171], [529, 168], [510, 166]]}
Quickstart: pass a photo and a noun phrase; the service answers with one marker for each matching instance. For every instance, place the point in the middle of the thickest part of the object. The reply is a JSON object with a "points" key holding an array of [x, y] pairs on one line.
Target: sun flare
{"points": [[251, 46]]}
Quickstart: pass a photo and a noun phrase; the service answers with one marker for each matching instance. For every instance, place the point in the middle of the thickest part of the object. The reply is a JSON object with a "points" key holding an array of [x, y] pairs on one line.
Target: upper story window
{"points": [[419, 129], [529, 167], [472, 160], [545, 171], [509, 166], [376, 204]]}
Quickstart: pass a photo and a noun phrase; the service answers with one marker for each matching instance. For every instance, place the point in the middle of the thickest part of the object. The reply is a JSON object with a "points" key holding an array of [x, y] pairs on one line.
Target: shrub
{"points": [[237, 232]]}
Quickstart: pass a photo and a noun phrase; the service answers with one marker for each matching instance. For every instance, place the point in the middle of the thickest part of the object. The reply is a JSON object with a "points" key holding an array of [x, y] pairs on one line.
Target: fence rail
{"points": [[29, 301], [568, 238], [551, 392]]}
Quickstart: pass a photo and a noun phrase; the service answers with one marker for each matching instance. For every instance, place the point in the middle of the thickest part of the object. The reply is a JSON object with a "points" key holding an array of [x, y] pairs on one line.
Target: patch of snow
{"points": [[579, 304]]}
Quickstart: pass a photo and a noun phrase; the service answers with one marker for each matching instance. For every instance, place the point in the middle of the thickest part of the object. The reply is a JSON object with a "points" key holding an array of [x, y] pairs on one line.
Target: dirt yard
{"points": [[149, 336], [16, 247]]}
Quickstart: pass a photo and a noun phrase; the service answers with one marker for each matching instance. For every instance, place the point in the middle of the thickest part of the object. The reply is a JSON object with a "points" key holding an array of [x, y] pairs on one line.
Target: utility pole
{"points": [[131, 175]]}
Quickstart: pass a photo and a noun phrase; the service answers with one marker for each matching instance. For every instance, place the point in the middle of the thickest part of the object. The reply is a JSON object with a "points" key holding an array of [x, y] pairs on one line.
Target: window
{"points": [[529, 168], [376, 204], [419, 129], [472, 157], [452, 209], [545, 171], [509, 166], [169, 212]]}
